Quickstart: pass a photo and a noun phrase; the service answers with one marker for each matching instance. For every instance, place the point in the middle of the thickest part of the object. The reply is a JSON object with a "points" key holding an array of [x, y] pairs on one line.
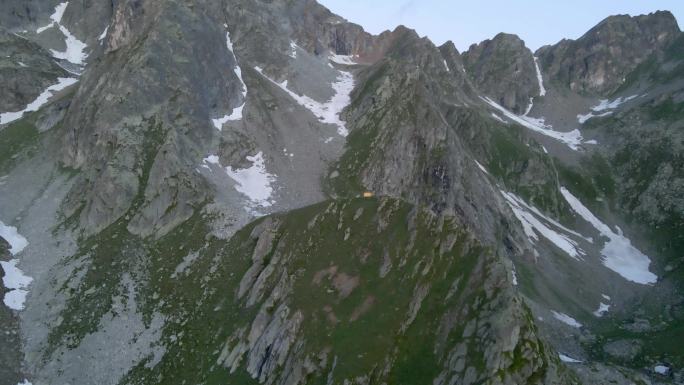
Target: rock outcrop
{"points": [[26, 71], [598, 62], [503, 68], [322, 294]]}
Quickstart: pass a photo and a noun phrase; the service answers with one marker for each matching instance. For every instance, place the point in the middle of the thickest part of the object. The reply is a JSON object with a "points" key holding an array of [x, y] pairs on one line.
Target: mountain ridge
{"points": [[208, 162]]}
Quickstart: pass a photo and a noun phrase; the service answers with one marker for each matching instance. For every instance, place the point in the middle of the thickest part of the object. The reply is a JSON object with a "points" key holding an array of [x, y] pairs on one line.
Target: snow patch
{"points": [[605, 104], [603, 309], [103, 35], [293, 49], [662, 369], [236, 114], [566, 319], [212, 159], [254, 182], [328, 112], [618, 253], [567, 359], [605, 297], [604, 108], [43, 98], [534, 222], [540, 78], [529, 107], [233, 116], [342, 59], [500, 119], [25, 382], [45, 28], [56, 17], [583, 118], [572, 138], [481, 167], [16, 241], [17, 282], [14, 279], [514, 277], [74, 52], [446, 66]]}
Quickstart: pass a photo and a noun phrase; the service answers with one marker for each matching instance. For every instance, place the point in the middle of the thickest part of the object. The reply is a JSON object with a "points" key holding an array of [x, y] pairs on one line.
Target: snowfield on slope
{"points": [[14, 279], [533, 222], [342, 59], [74, 52], [604, 108], [618, 253], [602, 310], [40, 101], [236, 114], [330, 111], [254, 182], [16, 241], [566, 319], [572, 138]]}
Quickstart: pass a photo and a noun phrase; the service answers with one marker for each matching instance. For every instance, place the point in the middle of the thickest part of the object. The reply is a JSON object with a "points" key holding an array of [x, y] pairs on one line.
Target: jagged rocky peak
{"points": [[599, 61], [323, 32], [503, 68], [142, 116], [413, 108], [452, 56]]}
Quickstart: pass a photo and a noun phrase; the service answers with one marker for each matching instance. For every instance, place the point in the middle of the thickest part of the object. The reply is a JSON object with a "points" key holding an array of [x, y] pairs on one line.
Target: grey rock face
{"points": [[19, 15], [623, 349], [26, 70], [144, 125], [503, 69], [599, 61], [279, 346], [87, 20], [417, 125], [454, 61]]}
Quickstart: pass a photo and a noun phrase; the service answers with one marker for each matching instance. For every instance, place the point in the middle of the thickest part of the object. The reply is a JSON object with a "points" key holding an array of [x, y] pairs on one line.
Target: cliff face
{"points": [[504, 69], [599, 61]]}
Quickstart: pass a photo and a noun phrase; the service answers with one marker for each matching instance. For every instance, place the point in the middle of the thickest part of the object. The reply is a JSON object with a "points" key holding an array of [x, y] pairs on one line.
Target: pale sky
{"points": [[538, 22]]}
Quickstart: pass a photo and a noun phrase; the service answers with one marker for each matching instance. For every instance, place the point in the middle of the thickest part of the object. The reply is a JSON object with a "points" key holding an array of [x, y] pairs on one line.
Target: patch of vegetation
{"points": [[660, 344], [660, 68], [361, 330], [17, 138], [511, 159], [105, 257], [591, 182]]}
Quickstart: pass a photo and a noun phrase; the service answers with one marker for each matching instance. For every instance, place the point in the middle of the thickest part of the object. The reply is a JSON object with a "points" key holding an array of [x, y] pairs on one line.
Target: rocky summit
{"points": [[261, 192]]}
